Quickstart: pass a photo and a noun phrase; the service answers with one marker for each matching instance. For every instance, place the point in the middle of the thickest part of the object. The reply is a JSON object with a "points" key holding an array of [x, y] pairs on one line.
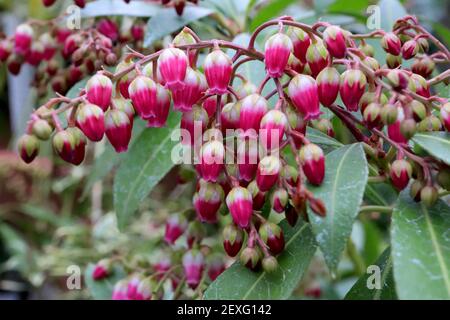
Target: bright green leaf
{"points": [[421, 249], [237, 282], [435, 143], [342, 192], [269, 11], [145, 164], [365, 288], [102, 289]]}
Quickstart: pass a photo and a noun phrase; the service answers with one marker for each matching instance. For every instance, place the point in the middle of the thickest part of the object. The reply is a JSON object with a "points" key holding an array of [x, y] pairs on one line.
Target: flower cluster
{"points": [[310, 69]]}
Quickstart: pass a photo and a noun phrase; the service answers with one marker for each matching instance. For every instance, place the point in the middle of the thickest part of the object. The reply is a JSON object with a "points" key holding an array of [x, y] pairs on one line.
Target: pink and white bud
{"points": [[175, 226], [218, 67], [70, 145], [317, 57], [239, 202], [230, 116], [313, 163], [216, 266], [125, 106], [295, 64], [160, 109], [212, 156], [102, 270], [144, 289], [394, 131], [277, 51], [268, 172], [194, 122], [272, 235], [49, 44], [120, 290], [328, 85], [193, 265], [23, 37], [185, 38], [28, 146], [233, 238], [247, 158], [142, 92], [6, 47], [300, 41], [132, 286], [118, 129], [335, 41], [272, 128], [304, 94], [400, 173], [210, 105], [35, 55], [352, 85], [108, 28], [445, 115], [99, 91], [391, 43], [419, 85], [90, 119], [252, 110], [423, 66], [124, 82], [193, 89], [173, 64], [279, 200], [207, 201], [410, 49]]}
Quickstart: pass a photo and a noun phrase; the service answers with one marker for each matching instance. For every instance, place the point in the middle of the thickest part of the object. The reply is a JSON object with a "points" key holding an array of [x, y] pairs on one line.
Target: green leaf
{"points": [[237, 282], [390, 11], [380, 194], [167, 21], [421, 249], [102, 289], [356, 9], [435, 143], [119, 8], [324, 141], [109, 159], [272, 9], [342, 192], [361, 291], [443, 32], [147, 162]]}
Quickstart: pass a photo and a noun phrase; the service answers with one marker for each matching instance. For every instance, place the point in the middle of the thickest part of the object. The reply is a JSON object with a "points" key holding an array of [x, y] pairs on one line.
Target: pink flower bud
{"points": [[49, 44], [423, 66], [400, 173], [99, 91], [251, 258], [120, 290], [215, 267], [268, 172], [352, 86], [70, 145], [247, 158], [102, 270], [124, 82], [132, 286], [210, 105], [394, 129], [218, 68], [398, 79], [185, 38], [207, 201], [194, 122], [144, 289], [232, 240], [35, 55], [90, 119], [137, 32], [419, 85], [410, 49], [334, 39], [304, 95], [108, 28], [229, 116], [279, 200], [6, 48], [28, 146], [173, 64], [272, 128], [445, 115], [295, 64], [277, 51], [252, 110], [193, 265], [118, 129], [317, 57], [194, 87], [23, 38], [160, 109], [297, 123], [372, 115], [125, 106], [175, 226], [300, 41], [272, 235], [313, 163], [212, 156], [62, 34], [71, 44], [258, 197], [391, 43], [328, 85], [239, 202], [142, 92]]}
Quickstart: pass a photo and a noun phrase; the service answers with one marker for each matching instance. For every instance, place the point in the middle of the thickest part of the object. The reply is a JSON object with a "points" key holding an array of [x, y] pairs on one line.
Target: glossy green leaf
{"points": [[421, 249], [390, 11], [145, 164], [435, 143], [270, 10], [119, 8], [342, 192], [102, 289], [377, 283], [237, 282], [167, 21]]}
